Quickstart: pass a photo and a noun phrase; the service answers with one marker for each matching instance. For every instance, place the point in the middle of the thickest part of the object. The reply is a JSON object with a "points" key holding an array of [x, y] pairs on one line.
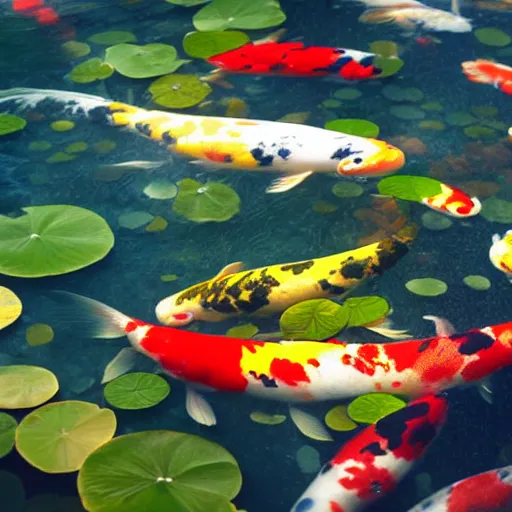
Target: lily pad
{"points": [[134, 220], [432, 125], [7, 431], [436, 221], [137, 391], [113, 37], [90, 71], [384, 48], [209, 202], [24, 387], [407, 112], [315, 319], [168, 278], [105, 146], [477, 282], [245, 331], [485, 111], [492, 36], [396, 93], [409, 188], [58, 437], [76, 147], [347, 93], [331, 103], [267, 419], [10, 307], [480, 132], [179, 91], [39, 334], [75, 49], [157, 225], [146, 61], [432, 106], [460, 118], [10, 124], [39, 145], [365, 310], [323, 207], [498, 210], [359, 127], [347, 189], [62, 125], [337, 419], [372, 407], [244, 14], [161, 189], [202, 45], [427, 287], [159, 470], [52, 240], [389, 65], [308, 459], [60, 157]]}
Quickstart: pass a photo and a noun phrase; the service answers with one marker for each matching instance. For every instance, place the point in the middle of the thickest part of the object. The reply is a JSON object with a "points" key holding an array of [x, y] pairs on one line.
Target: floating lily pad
{"points": [[179, 91], [245, 331], [76, 147], [433, 125], [75, 49], [492, 36], [337, 419], [58, 437], [485, 111], [202, 45], [39, 334], [477, 282], [90, 71], [52, 240], [498, 210], [315, 319], [308, 459], [39, 145], [409, 188], [12, 493], [331, 103], [372, 407], [295, 117], [436, 221], [113, 37], [460, 118], [137, 391], [407, 112], [480, 132], [60, 157], [396, 93], [169, 278], [134, 220], [157, 225], [267, 419], [62, 125], [10, 307], [161, 189], [365, 310], [388, 65], [146, 61], [427, 287], [105, 146], [347, 93], [432, 106], [7, 431], [10, 124], [23, 387], [384, 48], [347, 189], [159, 470], [244, 14], [209, 202], [359, 127], [324, 207]]}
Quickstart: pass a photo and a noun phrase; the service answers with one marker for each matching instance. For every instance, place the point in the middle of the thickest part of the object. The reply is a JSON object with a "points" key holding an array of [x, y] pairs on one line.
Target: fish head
{"points": [[232, 59], [373, 158], [500, 253], [174, 312]]}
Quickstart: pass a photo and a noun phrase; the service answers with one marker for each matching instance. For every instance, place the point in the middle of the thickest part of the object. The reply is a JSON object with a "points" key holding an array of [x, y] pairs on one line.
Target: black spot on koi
{"points": [[298, 268]]}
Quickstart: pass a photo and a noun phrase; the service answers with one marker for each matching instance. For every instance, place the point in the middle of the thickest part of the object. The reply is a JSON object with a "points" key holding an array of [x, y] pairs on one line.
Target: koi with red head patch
{"points": [[488, 72], [454, 202], [44, 15], [486, 492], [371, 464]]}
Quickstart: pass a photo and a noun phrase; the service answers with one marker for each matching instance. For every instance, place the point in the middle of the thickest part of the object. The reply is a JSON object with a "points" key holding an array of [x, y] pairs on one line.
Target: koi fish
{"points": [[485, 492], [44, 15], [371, 464], [273, 289], [269, 57], [454, 202], [500, 253], [487, 72], [295, 150]]}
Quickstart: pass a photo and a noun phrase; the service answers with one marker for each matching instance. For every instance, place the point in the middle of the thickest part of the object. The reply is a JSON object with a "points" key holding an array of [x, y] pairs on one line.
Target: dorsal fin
{"points": [[231, 268], [273, 37], [456, 7]]}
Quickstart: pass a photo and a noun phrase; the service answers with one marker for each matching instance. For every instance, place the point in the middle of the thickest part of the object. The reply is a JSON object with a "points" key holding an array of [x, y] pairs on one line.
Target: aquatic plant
{"points": [[90, 71], [337, 419], [202, 45], [492, 36], [8, 427], [10, 124], [245, 331], [112, 37], [10, 307], [409, 188], [360, 127], [179, 91], [477, 282], [427, 287], [39, 334], [372, 407], [267, 419]]}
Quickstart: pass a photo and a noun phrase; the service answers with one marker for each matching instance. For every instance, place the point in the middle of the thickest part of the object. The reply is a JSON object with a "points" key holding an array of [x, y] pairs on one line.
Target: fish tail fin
{"points": [[218, 77], [506, 87], [478, 71], [377, 16], [407, 235]]}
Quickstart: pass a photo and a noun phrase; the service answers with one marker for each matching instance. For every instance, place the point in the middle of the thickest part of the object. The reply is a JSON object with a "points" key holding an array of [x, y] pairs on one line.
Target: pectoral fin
{"points": [[231, 268], [456, 7], [286, 183], [443, 327], [122, 363], [199, 409], [485, 389], [309, 425], [217, 77]]}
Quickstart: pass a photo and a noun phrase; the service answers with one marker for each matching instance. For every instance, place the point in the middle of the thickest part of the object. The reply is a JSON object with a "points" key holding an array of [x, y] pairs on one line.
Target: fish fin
{"points": [[456, 7], [485, 389], [443, 326], [231, 268], [286, 183], [273, 37], [394, 334], [217, 77], [209, 165], [309, 425], [377, 16], [122, 363], [198, 408]]}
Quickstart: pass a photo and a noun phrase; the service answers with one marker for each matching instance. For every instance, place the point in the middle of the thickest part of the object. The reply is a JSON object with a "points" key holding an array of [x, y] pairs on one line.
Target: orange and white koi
{"points": [[370, 465], [490, 491], [297, 151], [500, 253], [454, 202], [488, 72]]}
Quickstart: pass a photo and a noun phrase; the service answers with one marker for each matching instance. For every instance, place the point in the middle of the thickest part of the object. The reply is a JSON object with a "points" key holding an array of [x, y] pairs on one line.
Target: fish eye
{"points": [[358, 160]]}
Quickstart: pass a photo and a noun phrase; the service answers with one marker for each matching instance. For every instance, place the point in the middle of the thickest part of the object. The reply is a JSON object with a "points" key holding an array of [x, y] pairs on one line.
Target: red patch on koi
{"points": [[335, 507], [364, 481], [216, 156], [132, 325], [396, 384], [181, 316], [288, 372], [487, 361], [314, 362]]}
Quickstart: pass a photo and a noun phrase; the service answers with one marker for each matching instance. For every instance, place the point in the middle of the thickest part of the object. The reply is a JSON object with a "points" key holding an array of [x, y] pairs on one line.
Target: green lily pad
{"points": [[146, 61], [432, 106], [209, 202], [202, 45], [62, 125], [347, 93], [323, 207], [90, 71], [159, 470], [308, 459], [137, 391], [7, 431], [75, 49], [39, 145], [267, 419], [359, 127], [384, 48], [76, 147], [52, 240], [407, 112], [427, 287], [388, 65], [105, 146], [10, 124], [409, 188], [245, 331], [161, 189], [245, 14], [331, 103], [39, 334], [337, 419], [60, 157], [113, 37], [315, 319], [477, 282], [433, 125], [396, 93], [365, 310], [10, 307], [179, 91], [498, 210], [485, 111], [347, 189], [12, 493], [492, 36], [372, 407], [460, 118], [480, 132], [134, 220], [58, 437], [436, 221]]}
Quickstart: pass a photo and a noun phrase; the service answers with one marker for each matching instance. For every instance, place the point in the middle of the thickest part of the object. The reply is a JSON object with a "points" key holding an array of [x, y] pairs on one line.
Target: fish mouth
{"points": [[166, 316]]}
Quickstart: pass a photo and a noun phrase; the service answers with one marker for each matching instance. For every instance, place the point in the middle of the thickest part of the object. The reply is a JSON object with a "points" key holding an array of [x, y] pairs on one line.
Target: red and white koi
{"points": [[297, 151], [454, 202], [43, 14], [488, 72], [485, 492], [500, 253], [371, 464]]}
